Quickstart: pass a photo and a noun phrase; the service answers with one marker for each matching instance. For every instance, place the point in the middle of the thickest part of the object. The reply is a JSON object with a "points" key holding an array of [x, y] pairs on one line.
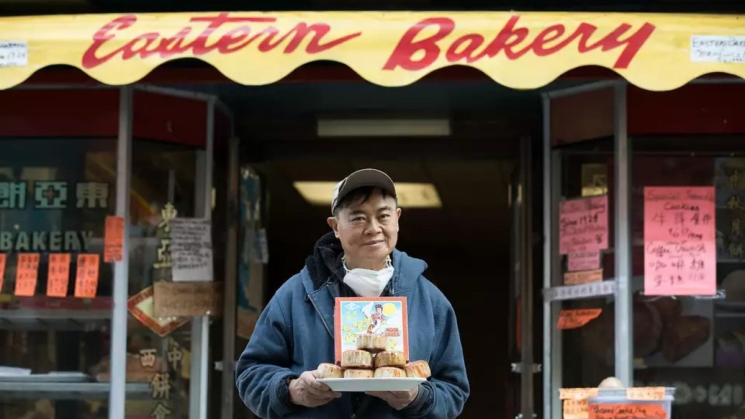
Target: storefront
{"points": [[75, 155]]}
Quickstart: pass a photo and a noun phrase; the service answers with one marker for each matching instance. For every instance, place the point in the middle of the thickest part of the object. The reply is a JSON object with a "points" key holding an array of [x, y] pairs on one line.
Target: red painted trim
{"points": [[59, 113], [169, 119], [95, 113], [692, 109]]}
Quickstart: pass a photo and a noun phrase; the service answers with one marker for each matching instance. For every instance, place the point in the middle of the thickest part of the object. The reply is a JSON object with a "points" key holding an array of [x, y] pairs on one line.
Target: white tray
{"points": [[371, 384]]}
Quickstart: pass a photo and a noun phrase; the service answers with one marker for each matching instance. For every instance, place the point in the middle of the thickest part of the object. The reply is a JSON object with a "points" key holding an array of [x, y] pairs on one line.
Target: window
{"points": [[55, 195]]}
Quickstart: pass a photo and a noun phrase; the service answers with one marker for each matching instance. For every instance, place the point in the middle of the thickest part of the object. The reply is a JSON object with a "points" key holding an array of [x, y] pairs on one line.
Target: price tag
{"points": [[27, 273], [645, 393], [3, 259], [573, 319], [575, 405], [584, 277], [86, 279], [583, 261], [627, 411], [113, 239], [58, 276]]}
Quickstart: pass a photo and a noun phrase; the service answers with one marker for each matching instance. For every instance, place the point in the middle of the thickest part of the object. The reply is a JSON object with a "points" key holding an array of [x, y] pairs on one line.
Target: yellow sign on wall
{"points": [[518, 50]]}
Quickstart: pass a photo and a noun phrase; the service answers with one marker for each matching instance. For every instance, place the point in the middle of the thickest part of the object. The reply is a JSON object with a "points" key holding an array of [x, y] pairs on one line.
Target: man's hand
{"points": [[396, 399], [306, 391]]}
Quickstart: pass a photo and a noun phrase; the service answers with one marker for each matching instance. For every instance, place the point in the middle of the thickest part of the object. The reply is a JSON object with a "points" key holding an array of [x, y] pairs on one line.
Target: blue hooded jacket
{"points": [[295, 334]]}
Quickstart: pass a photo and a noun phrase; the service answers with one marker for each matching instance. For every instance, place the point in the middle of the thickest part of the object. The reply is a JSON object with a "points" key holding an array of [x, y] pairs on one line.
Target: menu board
{"points": [[679, 241], [191, 250], [583, 231]]}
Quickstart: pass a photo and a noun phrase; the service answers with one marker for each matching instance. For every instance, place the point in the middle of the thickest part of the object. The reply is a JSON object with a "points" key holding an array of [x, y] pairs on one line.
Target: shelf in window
{"points": [[68, 320], [68, 391]]}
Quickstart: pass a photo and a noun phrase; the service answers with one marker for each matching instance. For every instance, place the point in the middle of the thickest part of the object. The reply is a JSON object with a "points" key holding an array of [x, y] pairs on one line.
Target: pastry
{"points": [[356, 359], [358, 373], [389, 372], [390, 359], [419, 369], [329, 371], [372, 343], [669, 309], [685, 336]]}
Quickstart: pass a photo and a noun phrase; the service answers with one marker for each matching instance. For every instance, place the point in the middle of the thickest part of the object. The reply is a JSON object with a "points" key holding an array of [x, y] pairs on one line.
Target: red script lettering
{"points": [[227, 33], [513, 41]]}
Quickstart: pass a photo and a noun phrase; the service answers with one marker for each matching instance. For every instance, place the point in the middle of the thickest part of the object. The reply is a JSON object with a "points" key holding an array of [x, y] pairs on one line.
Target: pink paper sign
{"points": [[583, 261], [583, 225], [679, 241]]}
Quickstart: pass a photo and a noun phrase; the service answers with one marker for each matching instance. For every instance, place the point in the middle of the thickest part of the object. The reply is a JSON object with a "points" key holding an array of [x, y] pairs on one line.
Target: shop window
{"points": [[55, 195], [588, 348], [164, 185], [697, 344]]}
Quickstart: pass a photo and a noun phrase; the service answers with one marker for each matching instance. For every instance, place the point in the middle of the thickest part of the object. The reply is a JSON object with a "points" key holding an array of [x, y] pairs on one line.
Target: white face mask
{"points": [[366, 282]]}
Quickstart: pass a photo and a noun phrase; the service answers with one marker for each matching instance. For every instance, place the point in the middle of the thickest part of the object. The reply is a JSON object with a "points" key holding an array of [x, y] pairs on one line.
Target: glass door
{"points": [[520, 386]]}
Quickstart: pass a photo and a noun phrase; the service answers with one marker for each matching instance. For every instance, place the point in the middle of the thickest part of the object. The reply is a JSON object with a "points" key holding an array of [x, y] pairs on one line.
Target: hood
{"points": [[325, 264]]}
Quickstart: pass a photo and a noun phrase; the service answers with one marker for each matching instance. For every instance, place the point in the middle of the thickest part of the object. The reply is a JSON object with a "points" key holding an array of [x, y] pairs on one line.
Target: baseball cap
{"points": [[359, 179]]}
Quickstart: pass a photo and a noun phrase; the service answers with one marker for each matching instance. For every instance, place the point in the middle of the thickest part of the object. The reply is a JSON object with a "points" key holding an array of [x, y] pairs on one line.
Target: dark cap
{"points": [[359, 179]]}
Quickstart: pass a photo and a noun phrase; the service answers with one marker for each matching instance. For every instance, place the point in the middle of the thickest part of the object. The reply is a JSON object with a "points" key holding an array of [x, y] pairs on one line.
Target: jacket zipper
{"points": [[323, 320]]}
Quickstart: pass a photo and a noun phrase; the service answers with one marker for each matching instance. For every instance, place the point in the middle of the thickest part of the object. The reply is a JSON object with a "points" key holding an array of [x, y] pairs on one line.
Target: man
{"points": [[275, 374]]}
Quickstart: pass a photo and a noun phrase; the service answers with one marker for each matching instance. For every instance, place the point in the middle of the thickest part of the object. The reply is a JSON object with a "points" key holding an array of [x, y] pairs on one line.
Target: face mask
{"points": [[366, 282]]}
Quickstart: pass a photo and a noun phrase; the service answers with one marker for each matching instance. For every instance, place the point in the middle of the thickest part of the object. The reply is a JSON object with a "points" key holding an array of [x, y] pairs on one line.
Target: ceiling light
{"points": [[410, 195], [383, 128]]}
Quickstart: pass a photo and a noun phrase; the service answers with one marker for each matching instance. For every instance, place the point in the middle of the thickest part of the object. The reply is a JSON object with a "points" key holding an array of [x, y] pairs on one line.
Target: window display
{"points": [[55, 301], [688, 333], [56, 288]]}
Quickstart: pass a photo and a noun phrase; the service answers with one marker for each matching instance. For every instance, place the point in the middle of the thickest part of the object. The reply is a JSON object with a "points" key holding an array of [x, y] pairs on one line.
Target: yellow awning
{"points": [[518, 50]]}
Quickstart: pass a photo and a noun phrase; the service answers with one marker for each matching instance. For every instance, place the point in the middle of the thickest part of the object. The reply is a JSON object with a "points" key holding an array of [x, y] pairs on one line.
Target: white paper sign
{"points": [[574, 292], [13, 54], [191, 250], [717, 49]]}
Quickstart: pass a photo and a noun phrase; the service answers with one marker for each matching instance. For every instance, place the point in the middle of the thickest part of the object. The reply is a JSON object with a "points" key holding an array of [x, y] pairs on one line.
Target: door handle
{"points": [[517, 367]]}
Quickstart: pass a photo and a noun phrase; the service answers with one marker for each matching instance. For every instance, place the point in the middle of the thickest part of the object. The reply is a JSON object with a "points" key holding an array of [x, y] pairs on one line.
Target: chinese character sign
{"points": [[679, 241], [583, 225]]}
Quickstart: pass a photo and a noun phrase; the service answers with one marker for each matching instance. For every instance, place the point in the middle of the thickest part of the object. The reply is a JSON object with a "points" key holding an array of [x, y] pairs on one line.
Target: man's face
{"points": [[368, 230]]}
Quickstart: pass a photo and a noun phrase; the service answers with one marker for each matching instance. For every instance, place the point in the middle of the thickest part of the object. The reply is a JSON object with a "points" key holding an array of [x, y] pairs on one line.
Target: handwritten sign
{"points": [[186, 299], [14, 54], [86, 278], [58, 274], [583, 225], [573, 319], [645, 393], [717, 49], [575, 402], [627, 411], [27, 273], [113, 241], [583, 261], [191, 250], [585, 277], [679, 241], [3, 259]]}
